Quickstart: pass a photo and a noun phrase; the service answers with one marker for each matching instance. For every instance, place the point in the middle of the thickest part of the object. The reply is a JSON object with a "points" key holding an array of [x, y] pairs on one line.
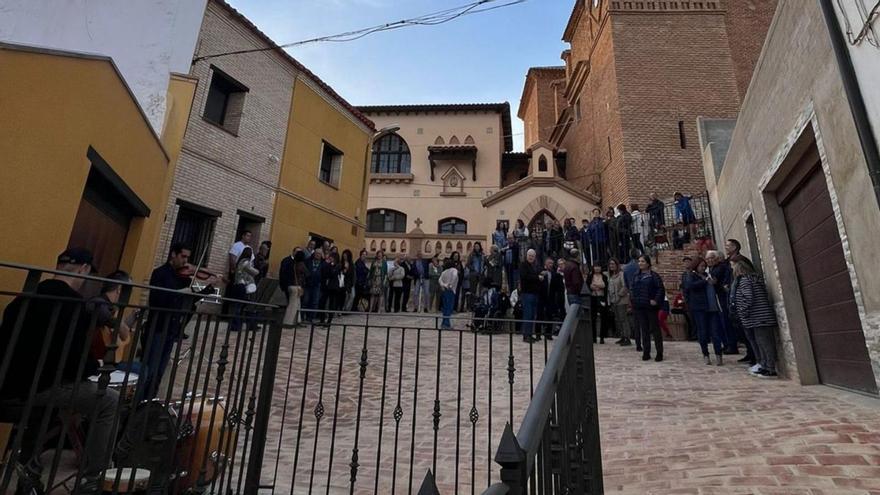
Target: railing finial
{"points": [[429, 486]]}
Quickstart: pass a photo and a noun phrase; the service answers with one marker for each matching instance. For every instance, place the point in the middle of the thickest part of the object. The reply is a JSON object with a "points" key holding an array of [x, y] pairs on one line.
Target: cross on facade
{"points": [[418, 223]]}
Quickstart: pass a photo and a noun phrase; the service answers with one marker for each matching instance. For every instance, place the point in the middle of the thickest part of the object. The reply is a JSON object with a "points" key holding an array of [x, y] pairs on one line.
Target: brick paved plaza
{"points": [[677, 427]]}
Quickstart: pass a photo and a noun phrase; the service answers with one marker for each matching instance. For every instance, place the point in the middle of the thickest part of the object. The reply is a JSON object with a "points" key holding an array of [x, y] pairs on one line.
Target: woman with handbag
{"points": [[245, 285], [599, 301], [378, 281]]}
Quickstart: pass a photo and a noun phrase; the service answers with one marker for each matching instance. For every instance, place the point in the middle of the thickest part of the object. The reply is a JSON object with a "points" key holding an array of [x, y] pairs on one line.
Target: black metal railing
{"points": [[369, 404], [375, 401], [179, 415], [556, 448]]}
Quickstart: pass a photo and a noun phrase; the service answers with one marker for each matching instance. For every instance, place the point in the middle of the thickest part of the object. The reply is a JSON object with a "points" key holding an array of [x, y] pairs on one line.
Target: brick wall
{"points": [[220, 170], [670, 68], [539, 104], [589, 156], [747, 25]]}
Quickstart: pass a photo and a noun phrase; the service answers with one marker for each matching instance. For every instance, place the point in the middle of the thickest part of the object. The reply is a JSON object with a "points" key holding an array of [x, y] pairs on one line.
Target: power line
{"points": [[431, 19]]}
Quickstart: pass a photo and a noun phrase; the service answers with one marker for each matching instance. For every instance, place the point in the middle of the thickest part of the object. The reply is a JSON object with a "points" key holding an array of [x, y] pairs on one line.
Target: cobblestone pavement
{"points": [[676, 427], [681, 427]]}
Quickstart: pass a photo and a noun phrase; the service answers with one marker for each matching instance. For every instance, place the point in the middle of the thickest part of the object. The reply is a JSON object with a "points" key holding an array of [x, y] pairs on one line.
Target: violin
{"points": [[199, 277]]}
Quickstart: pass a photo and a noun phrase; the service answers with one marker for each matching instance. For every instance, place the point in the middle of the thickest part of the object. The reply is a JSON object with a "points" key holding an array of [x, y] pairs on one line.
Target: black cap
{"points": [[76, 256]]}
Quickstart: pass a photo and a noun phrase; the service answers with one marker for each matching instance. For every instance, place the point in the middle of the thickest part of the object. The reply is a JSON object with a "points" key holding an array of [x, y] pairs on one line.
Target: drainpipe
{"points": [[854, 95]]}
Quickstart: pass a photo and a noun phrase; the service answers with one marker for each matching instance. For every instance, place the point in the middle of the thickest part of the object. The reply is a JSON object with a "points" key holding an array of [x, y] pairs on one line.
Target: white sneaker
{"points": [[754, 369]]}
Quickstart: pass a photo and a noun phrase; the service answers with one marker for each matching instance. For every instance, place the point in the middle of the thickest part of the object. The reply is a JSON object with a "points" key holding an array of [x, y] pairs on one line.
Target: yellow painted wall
{"points": [[54, 107], [303, 201]]}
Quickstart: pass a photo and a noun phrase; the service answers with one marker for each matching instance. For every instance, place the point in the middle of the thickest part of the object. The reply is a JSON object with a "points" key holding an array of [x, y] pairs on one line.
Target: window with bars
{"points": [[452, 226], [386, 221], [195, 228], [391, 156]]}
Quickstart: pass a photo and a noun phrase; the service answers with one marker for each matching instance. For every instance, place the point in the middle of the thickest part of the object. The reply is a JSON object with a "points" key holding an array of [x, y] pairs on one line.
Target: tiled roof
{"points": [[299, 67], [502, 108]]}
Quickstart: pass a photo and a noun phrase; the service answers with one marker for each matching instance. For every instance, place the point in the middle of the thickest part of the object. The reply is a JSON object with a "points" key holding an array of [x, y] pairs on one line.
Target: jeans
{"points": [[763, 340], [530, 306], [311, 300], [396, 296], [157, 343], [707, 323], [448, 300], [329, 303], [598, 314], [291, 314], [348, 301], [649, 327], [421, 294], [621, 320], [99, 410]]}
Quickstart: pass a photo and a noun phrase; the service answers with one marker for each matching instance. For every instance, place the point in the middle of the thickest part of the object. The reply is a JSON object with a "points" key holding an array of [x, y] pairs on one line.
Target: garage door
{"points": [[832, 315]]}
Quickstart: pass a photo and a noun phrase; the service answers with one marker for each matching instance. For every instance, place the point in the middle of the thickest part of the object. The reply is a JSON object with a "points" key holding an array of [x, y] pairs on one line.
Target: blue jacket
{"points": [[597, 232], [696, 292], [313, 274], [683, 210], [630, 270], [499, 238], [646, 286]]}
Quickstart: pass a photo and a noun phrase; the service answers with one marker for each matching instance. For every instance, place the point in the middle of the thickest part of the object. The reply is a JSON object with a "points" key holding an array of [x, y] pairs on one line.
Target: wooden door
{"points": [[833, 321]]}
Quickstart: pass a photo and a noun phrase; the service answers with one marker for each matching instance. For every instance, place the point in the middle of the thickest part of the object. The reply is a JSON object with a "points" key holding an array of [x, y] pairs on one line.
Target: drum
{"points": [[200, 447], [130, 480], [118, 383]]}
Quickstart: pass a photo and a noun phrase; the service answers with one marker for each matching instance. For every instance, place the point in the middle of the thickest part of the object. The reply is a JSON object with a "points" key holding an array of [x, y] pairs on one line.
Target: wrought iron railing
{"points": [[370, 403], [190, 430], [556, 448]]}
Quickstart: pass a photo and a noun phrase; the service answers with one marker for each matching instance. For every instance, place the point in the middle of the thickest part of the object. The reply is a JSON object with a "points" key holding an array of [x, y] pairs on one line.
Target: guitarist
{"points": [[105, 312]]}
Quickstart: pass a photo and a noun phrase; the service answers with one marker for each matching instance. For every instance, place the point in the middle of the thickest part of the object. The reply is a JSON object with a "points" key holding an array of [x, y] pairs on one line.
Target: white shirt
{"points": [[238, 248], [449, 279]]}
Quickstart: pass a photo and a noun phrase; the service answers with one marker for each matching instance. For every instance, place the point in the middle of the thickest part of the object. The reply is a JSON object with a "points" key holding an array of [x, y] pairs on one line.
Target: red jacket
{"points": [[574, 280]]}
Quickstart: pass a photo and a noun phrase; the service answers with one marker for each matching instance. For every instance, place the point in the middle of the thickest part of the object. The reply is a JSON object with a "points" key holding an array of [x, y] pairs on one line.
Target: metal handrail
{"points": [[532, 426]]}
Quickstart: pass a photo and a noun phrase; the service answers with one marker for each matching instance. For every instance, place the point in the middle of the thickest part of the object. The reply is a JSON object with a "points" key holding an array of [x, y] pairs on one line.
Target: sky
{"points": [[473, 59]]}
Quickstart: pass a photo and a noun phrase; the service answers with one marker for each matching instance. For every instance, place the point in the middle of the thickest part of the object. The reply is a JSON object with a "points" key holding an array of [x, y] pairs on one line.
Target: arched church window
{"points": [[391, 156]]}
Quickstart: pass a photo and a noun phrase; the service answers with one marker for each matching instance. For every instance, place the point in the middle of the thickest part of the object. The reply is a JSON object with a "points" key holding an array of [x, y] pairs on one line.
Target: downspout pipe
{"points": [[853, 94]]}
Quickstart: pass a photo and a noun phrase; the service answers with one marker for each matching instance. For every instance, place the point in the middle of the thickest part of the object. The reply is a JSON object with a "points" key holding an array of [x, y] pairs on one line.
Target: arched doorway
{"points": [[538, 224]]}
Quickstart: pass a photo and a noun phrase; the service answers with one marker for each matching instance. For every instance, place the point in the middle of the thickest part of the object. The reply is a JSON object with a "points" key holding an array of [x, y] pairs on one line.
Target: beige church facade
{"points": [[448, 176]]}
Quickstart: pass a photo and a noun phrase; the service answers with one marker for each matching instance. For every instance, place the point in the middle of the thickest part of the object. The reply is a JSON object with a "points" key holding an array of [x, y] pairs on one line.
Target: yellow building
{"points": [[322, 184], [81, 164]]}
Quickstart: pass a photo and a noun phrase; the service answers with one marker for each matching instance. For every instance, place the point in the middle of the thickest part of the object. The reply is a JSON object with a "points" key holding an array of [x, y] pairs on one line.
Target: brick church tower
{"points": [[637, 77]]}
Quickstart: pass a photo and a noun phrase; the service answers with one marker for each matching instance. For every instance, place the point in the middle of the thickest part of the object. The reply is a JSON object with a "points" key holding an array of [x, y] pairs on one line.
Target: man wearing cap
{"points": [[52, 324]]}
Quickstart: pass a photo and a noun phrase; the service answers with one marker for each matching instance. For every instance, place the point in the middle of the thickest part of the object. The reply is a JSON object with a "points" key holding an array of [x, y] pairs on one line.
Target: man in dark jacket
{"points": [[646, 297], [657, 213], [573, 278], [313, 283], [597, 233], [45, 328], [408, 269], [550, 297], [530, 280], [720, 276]]}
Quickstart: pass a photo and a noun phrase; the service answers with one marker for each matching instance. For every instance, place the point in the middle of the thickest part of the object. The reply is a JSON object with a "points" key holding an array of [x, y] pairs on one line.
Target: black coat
{"points": [[528, 278], [552, 293]]}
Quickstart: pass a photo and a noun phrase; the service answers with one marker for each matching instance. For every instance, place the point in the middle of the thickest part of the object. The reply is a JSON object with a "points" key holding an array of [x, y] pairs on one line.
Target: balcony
{"points": [[419, 244]]}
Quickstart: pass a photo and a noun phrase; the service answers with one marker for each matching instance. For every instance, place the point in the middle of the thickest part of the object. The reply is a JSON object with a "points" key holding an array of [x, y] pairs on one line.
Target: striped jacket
{"points": [[753, 306]]}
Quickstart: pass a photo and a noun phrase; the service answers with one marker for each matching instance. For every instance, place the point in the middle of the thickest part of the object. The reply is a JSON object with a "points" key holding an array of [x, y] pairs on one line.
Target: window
{"points": [[195, 228], [225, 101], [682, 139], [391, 156], [752, 234], [331, 164], [452, 226], [386, 221]]}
